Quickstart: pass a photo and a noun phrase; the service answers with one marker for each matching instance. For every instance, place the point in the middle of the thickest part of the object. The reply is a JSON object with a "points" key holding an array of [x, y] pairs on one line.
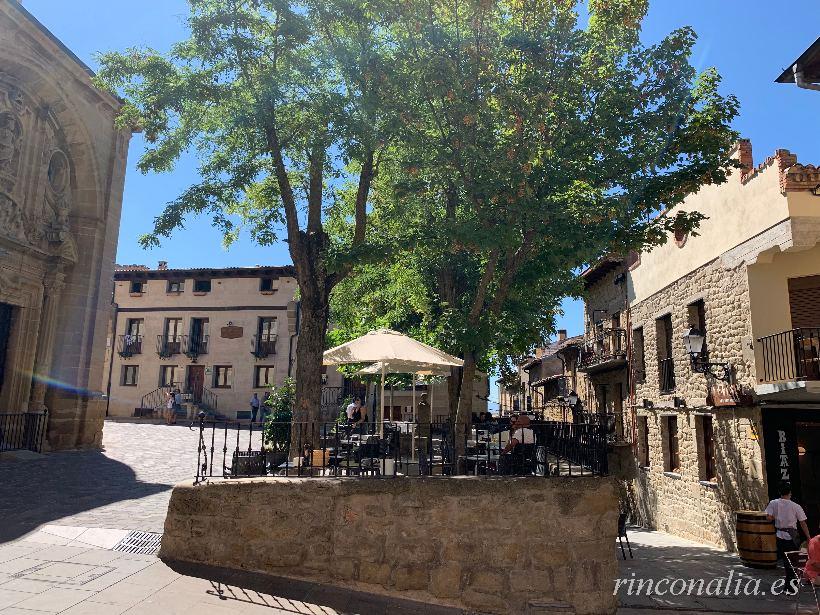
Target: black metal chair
{"points": [[622, 535]]}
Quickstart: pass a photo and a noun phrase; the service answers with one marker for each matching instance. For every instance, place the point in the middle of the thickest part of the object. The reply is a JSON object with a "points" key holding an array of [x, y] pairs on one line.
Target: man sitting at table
{"points": [[519, 450], [354, 411]]}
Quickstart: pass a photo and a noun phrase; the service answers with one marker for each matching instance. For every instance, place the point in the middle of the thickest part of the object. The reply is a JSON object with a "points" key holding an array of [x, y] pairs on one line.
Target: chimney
{"points": [[162, 266], [562, 335], [744, 155]]}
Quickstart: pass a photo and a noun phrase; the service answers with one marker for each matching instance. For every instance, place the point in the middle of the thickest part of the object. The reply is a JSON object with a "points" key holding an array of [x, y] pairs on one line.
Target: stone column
{"points": [[54, 284]]}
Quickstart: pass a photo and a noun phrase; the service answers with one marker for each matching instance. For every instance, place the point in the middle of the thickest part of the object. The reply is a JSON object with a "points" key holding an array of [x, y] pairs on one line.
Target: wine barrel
{"points": [[756, 542]]}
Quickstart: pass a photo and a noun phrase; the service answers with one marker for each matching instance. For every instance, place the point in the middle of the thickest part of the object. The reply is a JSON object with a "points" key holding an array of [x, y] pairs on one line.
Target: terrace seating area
{"points": [[233, 449]]}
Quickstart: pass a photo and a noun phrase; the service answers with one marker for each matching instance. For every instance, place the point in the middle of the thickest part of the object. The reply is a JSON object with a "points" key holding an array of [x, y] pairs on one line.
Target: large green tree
{"points": [[286, 105], [532, 142]]}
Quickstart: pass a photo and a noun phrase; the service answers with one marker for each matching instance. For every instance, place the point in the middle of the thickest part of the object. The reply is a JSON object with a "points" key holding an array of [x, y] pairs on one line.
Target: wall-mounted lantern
{"points": [[693, 341]]}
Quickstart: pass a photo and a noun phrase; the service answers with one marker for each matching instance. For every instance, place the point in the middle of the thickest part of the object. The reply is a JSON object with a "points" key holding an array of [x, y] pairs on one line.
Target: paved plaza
{"points": [[64, 513]]}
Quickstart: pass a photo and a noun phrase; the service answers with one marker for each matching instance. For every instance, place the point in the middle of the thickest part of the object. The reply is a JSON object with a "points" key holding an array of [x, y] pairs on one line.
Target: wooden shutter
{"points": [[804, 301]]}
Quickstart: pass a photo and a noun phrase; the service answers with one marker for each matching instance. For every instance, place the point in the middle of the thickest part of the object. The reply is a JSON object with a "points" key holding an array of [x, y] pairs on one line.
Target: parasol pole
{"points": [[381, 418], [414, 398]]}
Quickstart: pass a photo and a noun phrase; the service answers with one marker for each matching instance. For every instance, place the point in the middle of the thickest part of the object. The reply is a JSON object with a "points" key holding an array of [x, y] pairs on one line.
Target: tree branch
{"points": [[483, 286], [365, 179]]}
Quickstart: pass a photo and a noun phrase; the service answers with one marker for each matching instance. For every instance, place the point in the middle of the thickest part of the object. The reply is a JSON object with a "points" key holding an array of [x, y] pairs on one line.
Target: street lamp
{"points": [[572, 399], [693, 341]]}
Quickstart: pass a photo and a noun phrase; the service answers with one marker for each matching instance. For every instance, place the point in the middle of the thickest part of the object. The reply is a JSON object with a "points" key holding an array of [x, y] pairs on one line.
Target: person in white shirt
{"points": [[786, 515], [522, 439], [354, 411]]}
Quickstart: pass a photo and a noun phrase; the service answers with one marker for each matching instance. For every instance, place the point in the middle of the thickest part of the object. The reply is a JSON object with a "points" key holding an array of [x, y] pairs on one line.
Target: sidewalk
{"points": [[663, 556], [75, 571]]}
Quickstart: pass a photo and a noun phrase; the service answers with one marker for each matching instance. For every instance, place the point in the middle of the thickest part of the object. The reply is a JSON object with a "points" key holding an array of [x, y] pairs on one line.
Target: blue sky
{"points": [[749, 42]]}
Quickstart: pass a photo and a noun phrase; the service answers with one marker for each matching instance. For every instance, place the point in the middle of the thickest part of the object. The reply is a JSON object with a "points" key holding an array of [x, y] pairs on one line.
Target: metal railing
{"points": [[23, 431], [666, 375], [155, 399], [194, 345], [263, 345], [607, 345], [231, 449], [169, 345], [791, 355], [128, 345]]}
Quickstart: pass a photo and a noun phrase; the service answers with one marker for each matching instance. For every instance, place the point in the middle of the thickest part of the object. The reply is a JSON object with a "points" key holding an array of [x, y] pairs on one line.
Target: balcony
{"points": [[607, 350], [169, 345], [263, 345], [128, 345], [194, 345], [791, 364]]}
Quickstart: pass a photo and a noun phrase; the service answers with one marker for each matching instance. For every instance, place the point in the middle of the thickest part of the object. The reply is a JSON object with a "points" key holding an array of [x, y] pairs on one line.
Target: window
{"points": [[666, 367], [176, 286], [264, 376], [638, 356], [643, 441], [706, 448], [202, 286], [136, 287], [134, 327], [672, 450], [173, 328], [130, 375], [696, 316], [266, 285], [223, 376], [167, 375]]}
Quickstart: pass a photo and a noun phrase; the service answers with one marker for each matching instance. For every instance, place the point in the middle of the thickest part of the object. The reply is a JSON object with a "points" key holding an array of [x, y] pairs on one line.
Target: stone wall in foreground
{"points": [[496, 545]]}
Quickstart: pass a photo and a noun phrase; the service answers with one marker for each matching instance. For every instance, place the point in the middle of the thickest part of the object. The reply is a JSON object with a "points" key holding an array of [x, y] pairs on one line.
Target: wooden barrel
{"points": [[756, 542]]}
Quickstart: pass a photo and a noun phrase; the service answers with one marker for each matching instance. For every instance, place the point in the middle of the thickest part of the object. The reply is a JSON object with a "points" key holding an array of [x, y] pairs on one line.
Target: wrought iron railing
{"points": [[791, 355], [156, 399], [194, 345], [169, 345], [263, 345], [229, 449], [666, 375], [606, 345], [23, 431], [129, 345]]}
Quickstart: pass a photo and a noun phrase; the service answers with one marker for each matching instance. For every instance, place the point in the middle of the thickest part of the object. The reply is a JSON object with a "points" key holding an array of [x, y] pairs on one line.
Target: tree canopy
{"points": [[531, 144]]}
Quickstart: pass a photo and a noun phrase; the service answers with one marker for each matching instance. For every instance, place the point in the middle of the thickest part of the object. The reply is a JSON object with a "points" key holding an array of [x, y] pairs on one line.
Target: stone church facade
{"points": [[62, 169]]}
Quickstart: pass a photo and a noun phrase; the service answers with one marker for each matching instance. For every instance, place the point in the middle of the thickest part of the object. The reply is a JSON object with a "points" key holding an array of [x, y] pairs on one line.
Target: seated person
{"points": [[813, 564], [520, 448], [354, 411]]}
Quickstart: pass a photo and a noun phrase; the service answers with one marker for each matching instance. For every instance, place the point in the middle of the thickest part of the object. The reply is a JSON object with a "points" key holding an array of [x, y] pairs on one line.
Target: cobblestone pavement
{"points": [[126, 486]]}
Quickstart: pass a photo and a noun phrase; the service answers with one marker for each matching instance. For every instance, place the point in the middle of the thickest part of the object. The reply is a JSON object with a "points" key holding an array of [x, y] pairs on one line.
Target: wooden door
{"points": [[196, 380]]}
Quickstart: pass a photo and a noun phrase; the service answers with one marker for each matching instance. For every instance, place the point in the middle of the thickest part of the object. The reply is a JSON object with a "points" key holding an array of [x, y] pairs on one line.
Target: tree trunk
{"points": [[463, 415], [310, 347]]}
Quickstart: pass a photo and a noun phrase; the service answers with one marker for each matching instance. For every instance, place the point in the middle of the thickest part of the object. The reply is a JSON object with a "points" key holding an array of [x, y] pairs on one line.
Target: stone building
{"points": [[62, 168], [717, 431]]}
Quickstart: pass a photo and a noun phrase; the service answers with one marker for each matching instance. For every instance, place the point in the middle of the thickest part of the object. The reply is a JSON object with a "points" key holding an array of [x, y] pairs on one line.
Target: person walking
{"points": [[170, 413], [787, 515], [254, 407]]}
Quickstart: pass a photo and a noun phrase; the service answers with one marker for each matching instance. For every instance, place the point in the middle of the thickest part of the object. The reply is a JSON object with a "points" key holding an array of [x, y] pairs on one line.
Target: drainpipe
{"points": [[116, 307], [292, 337], [802, 83]]}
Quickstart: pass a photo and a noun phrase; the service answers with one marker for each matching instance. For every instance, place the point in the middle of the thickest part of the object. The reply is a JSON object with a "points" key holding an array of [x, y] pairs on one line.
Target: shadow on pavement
{"points": [[727, 585], [57, 485], [239, 586]]}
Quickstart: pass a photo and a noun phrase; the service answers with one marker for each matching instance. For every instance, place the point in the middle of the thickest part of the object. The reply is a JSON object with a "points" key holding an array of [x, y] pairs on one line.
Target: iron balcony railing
{"points": [[230, 449], [666, 375], [263, 345], [194, 345], [606, 346], [128, 345], [791, 355], [169, 345], [23, 431]]}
